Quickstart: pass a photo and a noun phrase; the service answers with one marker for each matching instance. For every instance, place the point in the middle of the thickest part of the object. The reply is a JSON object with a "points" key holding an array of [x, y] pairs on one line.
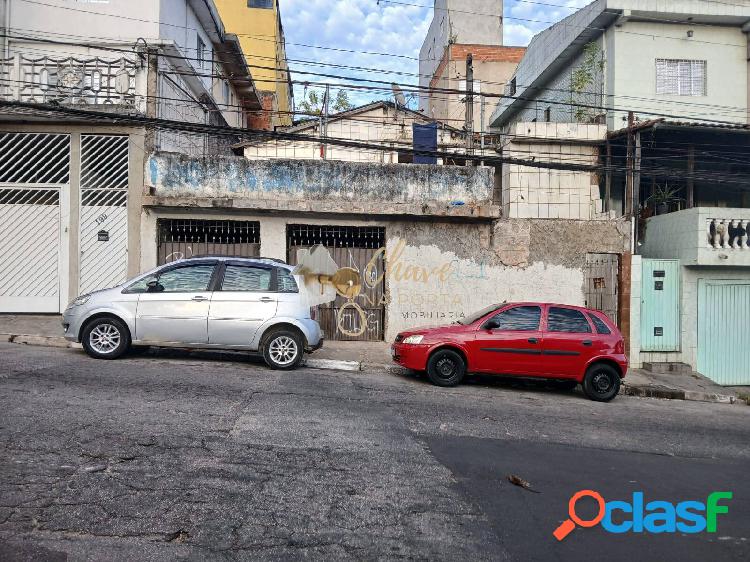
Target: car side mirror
{"points": [[154, 286], [491, 324]]}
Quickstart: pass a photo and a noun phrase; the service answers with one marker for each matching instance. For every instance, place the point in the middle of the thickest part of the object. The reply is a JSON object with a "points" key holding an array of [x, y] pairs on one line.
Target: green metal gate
{"points": [[660, 305], [723, 350]]}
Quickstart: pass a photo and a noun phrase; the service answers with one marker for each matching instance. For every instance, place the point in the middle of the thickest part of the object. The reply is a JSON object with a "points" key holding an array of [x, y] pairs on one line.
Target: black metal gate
{"points": [[354, 247], [184, 238], [600, 283]]}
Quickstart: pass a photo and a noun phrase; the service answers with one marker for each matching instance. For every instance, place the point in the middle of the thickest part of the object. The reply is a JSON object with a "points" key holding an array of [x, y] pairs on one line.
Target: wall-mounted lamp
{"points": [[689, 33]]}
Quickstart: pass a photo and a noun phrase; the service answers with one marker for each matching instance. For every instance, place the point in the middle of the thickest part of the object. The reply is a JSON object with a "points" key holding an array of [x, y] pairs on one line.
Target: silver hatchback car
{"points": [[213, 302]]}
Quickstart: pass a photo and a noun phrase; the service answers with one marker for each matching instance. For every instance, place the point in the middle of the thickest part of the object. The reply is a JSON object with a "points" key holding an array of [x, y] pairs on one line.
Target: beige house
{"points": [[381, 122]]}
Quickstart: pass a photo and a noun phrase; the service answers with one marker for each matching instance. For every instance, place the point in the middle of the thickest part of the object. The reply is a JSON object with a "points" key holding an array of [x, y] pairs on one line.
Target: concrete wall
{"points": [[453, 23], [176, 176], [442, 271], [493, 67], [637, 45], [544, 193], [683, 235], [631, 48], [60, 17]]}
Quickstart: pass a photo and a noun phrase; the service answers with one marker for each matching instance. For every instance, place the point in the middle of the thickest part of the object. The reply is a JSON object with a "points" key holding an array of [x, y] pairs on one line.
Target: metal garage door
{"points": [[723, 350], [34, 181], [362, 318], [104, 212]]}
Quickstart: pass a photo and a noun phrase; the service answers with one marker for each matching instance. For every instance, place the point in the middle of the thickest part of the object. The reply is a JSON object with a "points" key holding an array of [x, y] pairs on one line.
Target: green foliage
{"points": [[583, 76], [341, 102], [313, 103]]}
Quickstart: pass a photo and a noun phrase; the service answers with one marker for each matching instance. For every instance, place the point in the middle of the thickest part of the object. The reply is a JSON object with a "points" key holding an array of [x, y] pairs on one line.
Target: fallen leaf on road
{"points": [[518, 481]]}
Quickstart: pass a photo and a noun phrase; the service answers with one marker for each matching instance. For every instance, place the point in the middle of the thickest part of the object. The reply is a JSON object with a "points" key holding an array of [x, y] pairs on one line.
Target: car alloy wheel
{"points": [[283, 350], [104, 338]]}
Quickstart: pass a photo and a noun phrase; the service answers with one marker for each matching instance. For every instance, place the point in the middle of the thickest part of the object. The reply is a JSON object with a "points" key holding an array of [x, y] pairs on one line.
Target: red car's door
{"points": [[569, 342], [509, 342]]}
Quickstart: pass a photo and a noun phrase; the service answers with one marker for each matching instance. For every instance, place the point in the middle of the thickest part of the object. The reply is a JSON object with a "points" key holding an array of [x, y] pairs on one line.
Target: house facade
{"points": [[685, 59], [71, 185], [454, 33], [667, 87], [258, 25]]}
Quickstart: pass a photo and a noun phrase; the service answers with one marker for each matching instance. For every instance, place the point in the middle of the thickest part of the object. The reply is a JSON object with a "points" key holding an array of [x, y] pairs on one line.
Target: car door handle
{"points": [[200, 299], [586, 342], [266, 299], [532, 340]]}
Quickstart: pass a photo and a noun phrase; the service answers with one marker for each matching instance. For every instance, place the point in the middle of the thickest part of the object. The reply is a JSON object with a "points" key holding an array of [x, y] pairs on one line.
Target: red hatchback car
{"points": [[568, 344]]}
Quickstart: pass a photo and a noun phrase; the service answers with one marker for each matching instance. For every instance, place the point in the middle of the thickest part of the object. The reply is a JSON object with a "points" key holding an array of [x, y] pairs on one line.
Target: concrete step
{"points": [[668, 368]]}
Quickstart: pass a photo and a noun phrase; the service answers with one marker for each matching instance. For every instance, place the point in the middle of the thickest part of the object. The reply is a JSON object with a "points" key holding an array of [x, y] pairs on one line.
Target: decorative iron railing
{"points": [[69, 80]]}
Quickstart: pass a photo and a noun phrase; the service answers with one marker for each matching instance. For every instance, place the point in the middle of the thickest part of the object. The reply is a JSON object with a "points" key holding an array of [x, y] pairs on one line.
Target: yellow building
{"points": [[257, 23]]}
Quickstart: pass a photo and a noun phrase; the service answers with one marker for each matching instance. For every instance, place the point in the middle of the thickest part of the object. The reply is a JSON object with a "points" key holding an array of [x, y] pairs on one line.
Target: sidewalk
{"points": [[46, 330]]}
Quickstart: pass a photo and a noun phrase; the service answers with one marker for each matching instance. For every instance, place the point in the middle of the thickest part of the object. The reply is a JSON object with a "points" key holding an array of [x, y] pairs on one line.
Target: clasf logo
{"points": [[653, 517]]}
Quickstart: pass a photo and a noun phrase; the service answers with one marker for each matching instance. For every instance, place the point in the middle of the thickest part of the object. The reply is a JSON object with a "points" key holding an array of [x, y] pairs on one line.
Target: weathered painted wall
{"points": [[440, 273], [172, 175]]}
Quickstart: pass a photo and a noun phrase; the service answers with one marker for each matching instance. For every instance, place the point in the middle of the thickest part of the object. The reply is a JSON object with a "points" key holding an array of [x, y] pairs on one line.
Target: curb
{"points": [[641, 391], [45, 341], [333, 364], [664, 392]]}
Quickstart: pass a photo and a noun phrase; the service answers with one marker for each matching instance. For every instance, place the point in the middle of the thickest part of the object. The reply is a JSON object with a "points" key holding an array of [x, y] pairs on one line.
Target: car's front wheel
{"points": [[446, 368], [105, 338], [601, 383], [283, 349]]}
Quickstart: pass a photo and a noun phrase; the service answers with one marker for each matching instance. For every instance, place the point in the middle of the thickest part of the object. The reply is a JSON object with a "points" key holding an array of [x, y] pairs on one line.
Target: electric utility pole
{"points": [[469, 105]]}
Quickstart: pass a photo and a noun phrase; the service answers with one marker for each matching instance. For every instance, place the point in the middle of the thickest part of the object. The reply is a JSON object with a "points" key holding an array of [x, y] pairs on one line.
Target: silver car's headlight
{"points": [[413, 339], [83, 299]]}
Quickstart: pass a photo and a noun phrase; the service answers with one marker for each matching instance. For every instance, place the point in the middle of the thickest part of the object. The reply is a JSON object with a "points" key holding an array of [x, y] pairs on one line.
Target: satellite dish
{"points": [[398, 95]]}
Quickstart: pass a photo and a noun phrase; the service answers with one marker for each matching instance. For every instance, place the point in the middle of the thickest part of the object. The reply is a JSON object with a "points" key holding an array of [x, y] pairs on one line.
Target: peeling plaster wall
{"points": [[441, 272], [178, 175]]}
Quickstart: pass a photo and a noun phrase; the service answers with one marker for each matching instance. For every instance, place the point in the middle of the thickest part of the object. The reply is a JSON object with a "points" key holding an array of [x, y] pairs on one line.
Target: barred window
{"points": [[681, 77]]}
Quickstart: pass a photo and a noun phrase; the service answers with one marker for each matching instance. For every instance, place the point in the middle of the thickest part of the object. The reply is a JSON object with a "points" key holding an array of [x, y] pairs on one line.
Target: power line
{"points": [[729, 109], [133, 120]]}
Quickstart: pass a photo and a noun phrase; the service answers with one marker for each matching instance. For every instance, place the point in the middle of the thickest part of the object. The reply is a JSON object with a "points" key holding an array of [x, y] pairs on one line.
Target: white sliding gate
{"points": [[34, 187], [103, 238]]}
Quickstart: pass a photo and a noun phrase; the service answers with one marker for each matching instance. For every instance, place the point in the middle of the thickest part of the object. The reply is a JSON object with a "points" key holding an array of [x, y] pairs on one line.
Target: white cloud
{"points": [[366, 25]]}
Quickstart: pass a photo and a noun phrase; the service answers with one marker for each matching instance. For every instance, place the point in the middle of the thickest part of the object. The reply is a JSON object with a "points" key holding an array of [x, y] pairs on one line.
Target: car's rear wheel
{"points": [[601, 383], [105, 338], [446, 368], [283, 349]]}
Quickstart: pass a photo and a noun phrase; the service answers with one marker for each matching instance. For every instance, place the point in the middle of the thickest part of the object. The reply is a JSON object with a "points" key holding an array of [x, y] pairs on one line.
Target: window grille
{"points": [[681, 77]]}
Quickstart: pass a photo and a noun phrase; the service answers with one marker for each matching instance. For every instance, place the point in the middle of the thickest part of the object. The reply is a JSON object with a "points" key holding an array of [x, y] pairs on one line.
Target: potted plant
{"points": [[663, 198]]}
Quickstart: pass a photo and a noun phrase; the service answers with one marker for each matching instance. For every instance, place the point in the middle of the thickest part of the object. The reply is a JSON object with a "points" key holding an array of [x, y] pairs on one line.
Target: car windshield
{"points": [[471, 318]]}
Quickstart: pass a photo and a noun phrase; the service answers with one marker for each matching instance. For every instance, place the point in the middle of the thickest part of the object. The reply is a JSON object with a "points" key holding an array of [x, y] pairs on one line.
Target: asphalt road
{"points": [[194, 457]]}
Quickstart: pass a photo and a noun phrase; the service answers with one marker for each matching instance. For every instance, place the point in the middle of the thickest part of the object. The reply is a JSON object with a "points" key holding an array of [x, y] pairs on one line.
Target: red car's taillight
{"points": [[620, 347]]}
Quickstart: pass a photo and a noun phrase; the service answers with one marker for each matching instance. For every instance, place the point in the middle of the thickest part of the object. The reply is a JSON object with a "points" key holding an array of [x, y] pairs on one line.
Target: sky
{"points": [[393, 28]]}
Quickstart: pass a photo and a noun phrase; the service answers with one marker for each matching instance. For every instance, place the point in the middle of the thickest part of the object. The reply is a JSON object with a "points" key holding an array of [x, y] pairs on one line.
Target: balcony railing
{"points": [[728, 234], [69, 80]]}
